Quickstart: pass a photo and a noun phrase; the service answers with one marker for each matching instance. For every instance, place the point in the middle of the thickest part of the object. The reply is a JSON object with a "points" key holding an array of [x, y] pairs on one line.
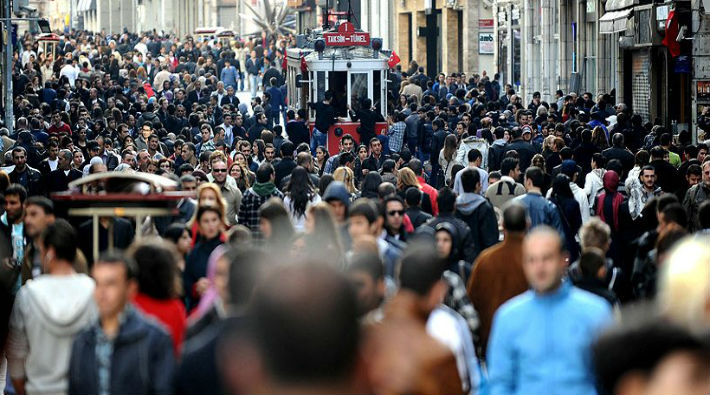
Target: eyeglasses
{"points": [[219, 170], [395, 212]]}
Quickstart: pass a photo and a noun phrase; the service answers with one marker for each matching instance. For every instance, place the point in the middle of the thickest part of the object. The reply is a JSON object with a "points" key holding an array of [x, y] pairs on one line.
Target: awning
{"points": [[86, 5], [614, 21], [618, 5]]}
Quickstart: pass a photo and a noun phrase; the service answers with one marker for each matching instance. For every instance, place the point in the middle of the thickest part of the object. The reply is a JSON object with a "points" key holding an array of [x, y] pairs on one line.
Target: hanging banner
{"points": [[346, 36]]}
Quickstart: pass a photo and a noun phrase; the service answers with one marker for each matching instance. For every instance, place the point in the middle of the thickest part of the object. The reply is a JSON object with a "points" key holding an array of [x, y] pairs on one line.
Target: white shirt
{"points": [[70, 72], [581, 197], [458, 188], [449, 328], [53, 164]]}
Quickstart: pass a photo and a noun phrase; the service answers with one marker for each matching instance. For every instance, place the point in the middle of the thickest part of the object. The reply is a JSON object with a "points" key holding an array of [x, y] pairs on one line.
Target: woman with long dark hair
{"points": [[300, 193], [321, 159], [370, 184], [276, 228], [570, 214], [210, 221], [447, 156]]}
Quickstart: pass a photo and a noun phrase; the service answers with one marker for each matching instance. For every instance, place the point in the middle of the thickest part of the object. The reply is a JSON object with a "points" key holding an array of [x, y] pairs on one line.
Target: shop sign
{"points": [[486, 44]]}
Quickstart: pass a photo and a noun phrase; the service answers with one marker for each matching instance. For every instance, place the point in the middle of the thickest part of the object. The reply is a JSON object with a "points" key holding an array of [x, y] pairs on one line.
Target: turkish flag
{"points": [[672, 29], [394, 59]]}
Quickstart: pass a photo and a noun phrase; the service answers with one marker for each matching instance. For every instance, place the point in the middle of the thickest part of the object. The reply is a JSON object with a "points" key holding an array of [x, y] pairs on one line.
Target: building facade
{"points": [[175, 16], [610, 47], [445, 35]]}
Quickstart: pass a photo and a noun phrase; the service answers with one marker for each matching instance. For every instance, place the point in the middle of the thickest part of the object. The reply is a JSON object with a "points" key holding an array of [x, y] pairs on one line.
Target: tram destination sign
{"points": [[346, 36]]}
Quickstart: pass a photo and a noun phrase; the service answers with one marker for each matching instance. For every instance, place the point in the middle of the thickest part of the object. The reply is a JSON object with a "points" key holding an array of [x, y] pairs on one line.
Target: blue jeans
{"points": [[253, 84], [318, 138]]}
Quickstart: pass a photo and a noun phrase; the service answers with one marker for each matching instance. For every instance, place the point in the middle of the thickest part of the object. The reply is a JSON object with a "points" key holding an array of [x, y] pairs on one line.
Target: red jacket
{"points": [[433, 195], [170, 313]]}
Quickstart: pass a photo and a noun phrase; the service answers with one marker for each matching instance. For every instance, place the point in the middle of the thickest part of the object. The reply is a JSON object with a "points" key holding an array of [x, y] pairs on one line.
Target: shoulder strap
{"points": [[511, 188]]}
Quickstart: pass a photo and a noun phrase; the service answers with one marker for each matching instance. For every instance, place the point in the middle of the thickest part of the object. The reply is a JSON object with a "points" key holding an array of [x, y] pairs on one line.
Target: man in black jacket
{"points": [[24, 175], [524, 149], [413, 198], [325, 118], [59, 179], [667, 176], [437, 144], [619, 151], [367, 117], [477, 212], [446, 202], [135, 353], [296, 128], [287, 164]]}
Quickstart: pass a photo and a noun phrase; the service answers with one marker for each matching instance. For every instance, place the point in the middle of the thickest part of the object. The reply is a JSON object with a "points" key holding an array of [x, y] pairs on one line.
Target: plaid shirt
{"points": [[396, 135], [249, 209], [457, 299]]}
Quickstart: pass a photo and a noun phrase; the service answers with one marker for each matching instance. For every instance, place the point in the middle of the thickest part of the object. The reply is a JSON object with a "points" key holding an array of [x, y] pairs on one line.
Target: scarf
{"points": [[264, 189], [608, 203]]}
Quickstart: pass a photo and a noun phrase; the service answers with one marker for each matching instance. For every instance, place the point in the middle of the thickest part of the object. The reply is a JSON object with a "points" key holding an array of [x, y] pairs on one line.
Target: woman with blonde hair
{"points": [[407, 179], [208, 194], [141, 74], [347, 177]]}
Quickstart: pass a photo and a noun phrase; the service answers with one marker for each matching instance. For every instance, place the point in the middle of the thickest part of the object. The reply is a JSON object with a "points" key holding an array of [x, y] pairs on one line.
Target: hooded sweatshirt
{"points": [[466, 203], [48, 312], [478, 213]]}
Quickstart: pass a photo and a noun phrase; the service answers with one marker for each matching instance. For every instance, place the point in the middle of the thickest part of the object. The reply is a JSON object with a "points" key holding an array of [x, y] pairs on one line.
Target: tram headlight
{"points": [[377, 44]]}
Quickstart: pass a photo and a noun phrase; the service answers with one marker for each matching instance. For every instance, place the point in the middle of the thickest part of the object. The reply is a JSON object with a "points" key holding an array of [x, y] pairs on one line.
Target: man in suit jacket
{"points": [[59, 179], [230, 98]]}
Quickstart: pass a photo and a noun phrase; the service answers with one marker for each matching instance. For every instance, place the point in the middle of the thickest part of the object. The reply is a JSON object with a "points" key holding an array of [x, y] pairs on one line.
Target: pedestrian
{"points": [[121, 351], [211, 225], [477, 212], [521, 344], [299, 195], [48, 313], [497, 274], [325, 118], [157, 295]]}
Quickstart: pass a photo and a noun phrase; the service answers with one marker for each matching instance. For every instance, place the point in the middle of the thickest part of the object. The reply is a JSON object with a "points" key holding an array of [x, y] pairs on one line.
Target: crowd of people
{"points": [[478, 245]]}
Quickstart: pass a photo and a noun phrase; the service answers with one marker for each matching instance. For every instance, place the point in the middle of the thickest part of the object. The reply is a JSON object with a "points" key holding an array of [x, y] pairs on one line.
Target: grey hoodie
{"points": [[48, 312], [466, 203]]}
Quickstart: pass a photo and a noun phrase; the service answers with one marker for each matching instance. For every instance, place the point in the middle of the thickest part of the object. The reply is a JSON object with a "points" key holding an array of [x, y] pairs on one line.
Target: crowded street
{"points": [[321, 206]]}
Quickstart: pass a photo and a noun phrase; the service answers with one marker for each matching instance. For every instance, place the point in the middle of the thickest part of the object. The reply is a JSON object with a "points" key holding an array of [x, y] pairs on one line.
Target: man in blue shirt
{"points": [[540, 210], [277, 101], [540, 340]]}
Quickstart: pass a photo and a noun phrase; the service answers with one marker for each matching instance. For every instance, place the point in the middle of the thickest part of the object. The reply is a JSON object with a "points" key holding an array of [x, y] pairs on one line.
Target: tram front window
{"points": [[358, 90], [338, 83]]}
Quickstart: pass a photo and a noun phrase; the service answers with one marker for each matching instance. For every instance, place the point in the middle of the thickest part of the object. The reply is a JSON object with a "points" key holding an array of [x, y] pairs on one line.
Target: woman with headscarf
{"points": [[211, 306], [612, 208]]}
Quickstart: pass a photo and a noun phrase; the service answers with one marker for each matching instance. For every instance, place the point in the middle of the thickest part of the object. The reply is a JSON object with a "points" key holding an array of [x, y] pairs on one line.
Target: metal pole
{"points": [[509, 47], [7, 70]]}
